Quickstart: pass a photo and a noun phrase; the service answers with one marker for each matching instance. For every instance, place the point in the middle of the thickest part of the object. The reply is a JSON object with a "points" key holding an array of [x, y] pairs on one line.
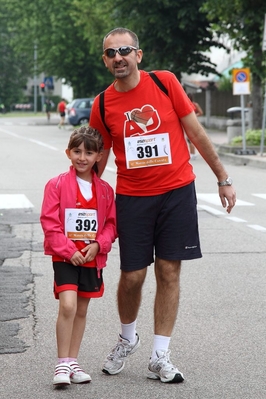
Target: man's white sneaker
{"points": [[62, 374], [162, 369], [77, 375], [115, 361]]}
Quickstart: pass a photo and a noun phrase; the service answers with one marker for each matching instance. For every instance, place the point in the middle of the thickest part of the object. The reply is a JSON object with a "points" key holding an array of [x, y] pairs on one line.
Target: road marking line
{"points": [[110, 169], [236, 219], [263, 196], [31, 140], [214, 199], [257, 227], [211, 210], [14, 201]]}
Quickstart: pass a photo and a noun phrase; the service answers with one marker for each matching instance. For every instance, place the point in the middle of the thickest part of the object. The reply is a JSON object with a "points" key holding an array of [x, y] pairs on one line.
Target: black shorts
{"points": [[84, 280], [165, 224], [62, 114]]}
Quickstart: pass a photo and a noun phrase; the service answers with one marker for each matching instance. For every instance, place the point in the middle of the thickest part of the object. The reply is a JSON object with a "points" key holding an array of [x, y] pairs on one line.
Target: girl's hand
{"points": [[91, 251], [77, 259]]}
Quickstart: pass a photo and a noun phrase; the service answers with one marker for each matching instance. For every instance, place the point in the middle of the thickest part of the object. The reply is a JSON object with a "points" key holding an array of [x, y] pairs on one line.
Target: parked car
{"points": [[79, 111]]}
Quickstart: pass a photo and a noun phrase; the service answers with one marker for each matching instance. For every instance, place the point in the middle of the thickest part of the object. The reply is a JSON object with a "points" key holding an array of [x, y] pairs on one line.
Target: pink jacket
{"points": [[61, 193]]}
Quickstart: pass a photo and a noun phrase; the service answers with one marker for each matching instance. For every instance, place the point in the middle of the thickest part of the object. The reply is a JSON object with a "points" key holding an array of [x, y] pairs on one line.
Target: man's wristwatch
{"points": [[226, 182]]}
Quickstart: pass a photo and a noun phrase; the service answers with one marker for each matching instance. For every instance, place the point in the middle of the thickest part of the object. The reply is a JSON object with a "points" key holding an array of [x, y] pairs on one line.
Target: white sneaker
{"points": [[62, 374], [77, 375], [115, 361], [162, 369]]}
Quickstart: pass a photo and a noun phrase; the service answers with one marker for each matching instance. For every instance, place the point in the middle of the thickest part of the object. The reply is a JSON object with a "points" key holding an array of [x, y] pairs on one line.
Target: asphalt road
{"points": [[219, 339]]}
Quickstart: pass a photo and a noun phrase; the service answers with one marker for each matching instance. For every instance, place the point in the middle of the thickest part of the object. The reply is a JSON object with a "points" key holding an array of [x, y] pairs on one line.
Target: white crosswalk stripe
{"points": [[257, 227], [214, 199], [14, 201], [263, 196], [235, 219]]}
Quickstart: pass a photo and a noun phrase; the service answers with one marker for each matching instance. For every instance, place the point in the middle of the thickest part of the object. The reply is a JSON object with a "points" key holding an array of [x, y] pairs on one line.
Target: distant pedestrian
{"points": [[48, 107], [2, 108], [79, 223], [61, 108]]}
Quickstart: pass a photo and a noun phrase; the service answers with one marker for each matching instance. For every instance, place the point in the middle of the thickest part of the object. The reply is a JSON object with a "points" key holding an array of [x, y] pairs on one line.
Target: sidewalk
{"points": [[219, 139]]}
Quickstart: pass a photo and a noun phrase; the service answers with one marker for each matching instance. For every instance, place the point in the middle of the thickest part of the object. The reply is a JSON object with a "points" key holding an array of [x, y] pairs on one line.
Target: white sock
{"points": [[160, 342], [129, 331]]}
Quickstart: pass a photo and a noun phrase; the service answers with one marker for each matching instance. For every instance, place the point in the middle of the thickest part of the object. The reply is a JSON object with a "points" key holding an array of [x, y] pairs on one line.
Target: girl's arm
{"points": [[53, 226], [109, 233]]}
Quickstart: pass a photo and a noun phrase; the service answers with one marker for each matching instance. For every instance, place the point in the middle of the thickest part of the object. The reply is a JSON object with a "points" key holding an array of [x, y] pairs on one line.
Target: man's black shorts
{"points": [[165, 224]]}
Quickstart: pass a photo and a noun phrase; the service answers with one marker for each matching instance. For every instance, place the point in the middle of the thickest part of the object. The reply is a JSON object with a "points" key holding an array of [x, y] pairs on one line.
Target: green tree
{"points": [[63, 50], [13, 65], [243, 22], [225, 84], [173, 34]]}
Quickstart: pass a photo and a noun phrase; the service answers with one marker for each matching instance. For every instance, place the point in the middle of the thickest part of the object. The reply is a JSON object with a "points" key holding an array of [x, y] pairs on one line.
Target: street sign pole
{"points": [[264, 108], [243, 123], [35, 78], [241, 86], [263, 125]]}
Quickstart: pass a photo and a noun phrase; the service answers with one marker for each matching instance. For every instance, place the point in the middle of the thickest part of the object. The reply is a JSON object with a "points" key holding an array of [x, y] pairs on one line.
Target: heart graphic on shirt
{"points": [[142, 115]]}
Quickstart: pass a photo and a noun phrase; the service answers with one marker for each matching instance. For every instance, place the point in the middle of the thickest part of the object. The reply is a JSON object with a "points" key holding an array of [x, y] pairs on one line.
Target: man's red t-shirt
{"points": [[146, 135], [62, 106]]}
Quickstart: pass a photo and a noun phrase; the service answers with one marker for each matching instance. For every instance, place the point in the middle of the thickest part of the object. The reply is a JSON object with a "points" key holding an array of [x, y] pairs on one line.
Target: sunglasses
{"points": [[123, 50]]}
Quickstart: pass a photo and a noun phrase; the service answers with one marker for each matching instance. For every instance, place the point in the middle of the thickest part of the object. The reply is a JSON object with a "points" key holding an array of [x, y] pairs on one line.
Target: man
{"points": [[155, 193], [61, 109], [48, 107]]}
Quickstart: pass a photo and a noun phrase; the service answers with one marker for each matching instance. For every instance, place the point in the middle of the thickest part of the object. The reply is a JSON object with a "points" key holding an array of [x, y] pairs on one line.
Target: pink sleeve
{"points": [[53, 226]]}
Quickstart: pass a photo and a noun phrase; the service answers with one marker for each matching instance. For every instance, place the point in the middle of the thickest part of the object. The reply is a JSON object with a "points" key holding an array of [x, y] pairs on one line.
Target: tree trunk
{"points": [[256, 96]]}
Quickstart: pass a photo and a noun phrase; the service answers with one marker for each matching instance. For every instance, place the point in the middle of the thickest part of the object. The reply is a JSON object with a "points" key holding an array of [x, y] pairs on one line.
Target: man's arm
{"points": [[201, 141], [102, 163]]}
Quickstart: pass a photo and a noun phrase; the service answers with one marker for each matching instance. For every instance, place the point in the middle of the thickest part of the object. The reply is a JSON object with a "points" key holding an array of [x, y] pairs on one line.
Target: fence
{"points": [[22, 107], [220, 101]]}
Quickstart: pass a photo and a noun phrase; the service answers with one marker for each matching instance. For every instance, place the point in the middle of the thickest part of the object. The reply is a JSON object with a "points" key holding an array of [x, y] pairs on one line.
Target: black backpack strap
{"points": [[158, 82], [102, 110]]}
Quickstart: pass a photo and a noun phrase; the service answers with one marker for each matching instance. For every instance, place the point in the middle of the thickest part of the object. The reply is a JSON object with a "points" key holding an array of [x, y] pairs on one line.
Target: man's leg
{"points": [[129, 294], [165, 310], [129, 299], [167, 295]]}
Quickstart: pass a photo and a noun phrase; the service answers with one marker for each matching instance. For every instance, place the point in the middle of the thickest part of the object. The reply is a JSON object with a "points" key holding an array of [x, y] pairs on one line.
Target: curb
{"points": [[256, 161]]}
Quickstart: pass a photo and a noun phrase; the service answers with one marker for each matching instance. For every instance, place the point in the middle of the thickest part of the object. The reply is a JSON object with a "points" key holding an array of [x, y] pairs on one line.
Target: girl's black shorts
{"points": [[84, 280]]}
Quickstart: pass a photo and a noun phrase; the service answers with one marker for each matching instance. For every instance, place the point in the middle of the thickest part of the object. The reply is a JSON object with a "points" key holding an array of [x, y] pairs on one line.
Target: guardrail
{"points": [[22, 107]]}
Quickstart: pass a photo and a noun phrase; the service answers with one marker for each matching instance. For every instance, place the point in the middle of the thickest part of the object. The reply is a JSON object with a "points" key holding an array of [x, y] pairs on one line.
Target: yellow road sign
{"points": [[241, 81]]}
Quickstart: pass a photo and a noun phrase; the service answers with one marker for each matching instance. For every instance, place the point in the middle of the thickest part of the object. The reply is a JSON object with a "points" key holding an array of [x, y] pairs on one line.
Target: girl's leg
{"points": [[78, 326], [65, 321]]}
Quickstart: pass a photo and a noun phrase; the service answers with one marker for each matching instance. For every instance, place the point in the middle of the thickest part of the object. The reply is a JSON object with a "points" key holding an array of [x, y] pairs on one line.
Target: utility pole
{"points": [[35, 78], [264, 108]]}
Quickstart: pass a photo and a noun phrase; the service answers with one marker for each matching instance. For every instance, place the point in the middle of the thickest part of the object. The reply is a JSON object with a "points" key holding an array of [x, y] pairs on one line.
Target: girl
{"points": [[79, 223]]}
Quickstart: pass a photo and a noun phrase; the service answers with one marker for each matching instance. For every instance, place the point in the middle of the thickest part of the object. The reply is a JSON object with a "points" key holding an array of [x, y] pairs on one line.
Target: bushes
{"points": [[253, 137]]}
